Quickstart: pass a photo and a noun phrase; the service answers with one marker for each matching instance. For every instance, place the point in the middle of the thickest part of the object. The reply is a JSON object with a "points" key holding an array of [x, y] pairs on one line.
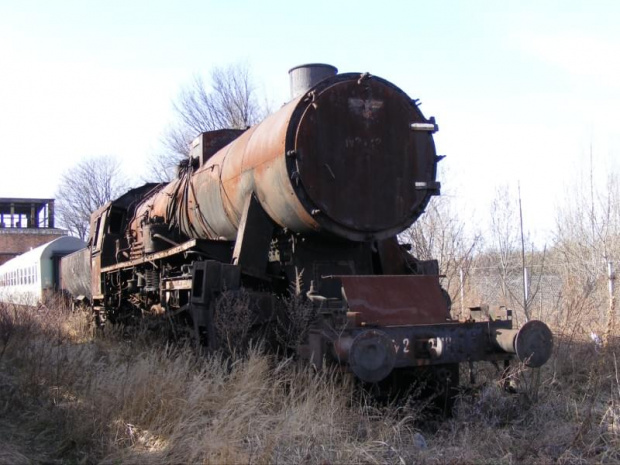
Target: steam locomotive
{"points": [[309, 202]]}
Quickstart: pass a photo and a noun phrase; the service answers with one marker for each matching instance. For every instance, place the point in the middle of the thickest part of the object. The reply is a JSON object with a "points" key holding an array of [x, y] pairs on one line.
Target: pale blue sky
{"points": [[519, 89]]}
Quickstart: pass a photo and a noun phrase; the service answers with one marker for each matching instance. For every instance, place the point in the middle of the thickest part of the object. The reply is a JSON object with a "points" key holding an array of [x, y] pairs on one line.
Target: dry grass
{"points": [[69, 395]]}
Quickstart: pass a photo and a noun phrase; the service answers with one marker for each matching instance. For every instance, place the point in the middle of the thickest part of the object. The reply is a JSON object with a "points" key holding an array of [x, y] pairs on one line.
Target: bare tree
{"points": [[440, 234], [505, 240], [84, 188], [229, 101], [587, 243], [588, 226], [512, 254]]}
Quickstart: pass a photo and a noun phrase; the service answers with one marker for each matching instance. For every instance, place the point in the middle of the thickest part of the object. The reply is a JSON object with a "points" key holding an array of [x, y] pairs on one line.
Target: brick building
{"points": [[25, 224]]}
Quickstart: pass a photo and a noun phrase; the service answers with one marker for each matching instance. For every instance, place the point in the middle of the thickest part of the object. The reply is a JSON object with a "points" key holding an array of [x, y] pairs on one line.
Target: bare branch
{"points": [[440, 234], [86, 187], [228, 101]]}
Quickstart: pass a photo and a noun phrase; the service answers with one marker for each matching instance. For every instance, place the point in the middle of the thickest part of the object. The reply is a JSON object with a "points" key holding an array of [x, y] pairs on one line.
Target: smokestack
{"points": [[304, 77]]}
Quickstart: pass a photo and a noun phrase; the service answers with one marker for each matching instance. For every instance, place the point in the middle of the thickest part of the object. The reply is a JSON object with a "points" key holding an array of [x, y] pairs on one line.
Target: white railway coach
{"points": [[28, 278]]}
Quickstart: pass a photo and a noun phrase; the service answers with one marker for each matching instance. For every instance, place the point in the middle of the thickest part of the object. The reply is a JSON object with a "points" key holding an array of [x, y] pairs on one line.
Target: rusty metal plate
{"points": [[395, 300], [359, 161]]}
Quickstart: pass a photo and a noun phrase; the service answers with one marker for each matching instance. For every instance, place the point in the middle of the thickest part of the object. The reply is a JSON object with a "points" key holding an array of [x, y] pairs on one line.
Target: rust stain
{"points": [[395, 300]]}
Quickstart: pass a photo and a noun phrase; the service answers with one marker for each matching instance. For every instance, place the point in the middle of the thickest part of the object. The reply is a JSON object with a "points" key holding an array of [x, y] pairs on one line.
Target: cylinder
{"points": [[343, 161], [304, 77]]}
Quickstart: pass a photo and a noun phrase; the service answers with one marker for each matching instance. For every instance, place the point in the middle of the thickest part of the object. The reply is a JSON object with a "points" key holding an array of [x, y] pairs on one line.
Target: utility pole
{"points": [[462, 286], [524, 269], [611, 317]]}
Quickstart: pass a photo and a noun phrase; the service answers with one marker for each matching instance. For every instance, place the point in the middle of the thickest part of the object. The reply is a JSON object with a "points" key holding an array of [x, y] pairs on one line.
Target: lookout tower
{"points": [[25, 224]]}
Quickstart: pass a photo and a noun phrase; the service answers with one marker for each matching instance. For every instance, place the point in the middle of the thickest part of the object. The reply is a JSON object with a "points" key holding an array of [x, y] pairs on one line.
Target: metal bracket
{"points": [[429, 126]]}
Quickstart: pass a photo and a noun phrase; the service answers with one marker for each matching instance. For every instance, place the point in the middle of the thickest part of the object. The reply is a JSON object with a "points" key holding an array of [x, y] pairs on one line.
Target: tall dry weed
{"points": [[127, 395]]}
